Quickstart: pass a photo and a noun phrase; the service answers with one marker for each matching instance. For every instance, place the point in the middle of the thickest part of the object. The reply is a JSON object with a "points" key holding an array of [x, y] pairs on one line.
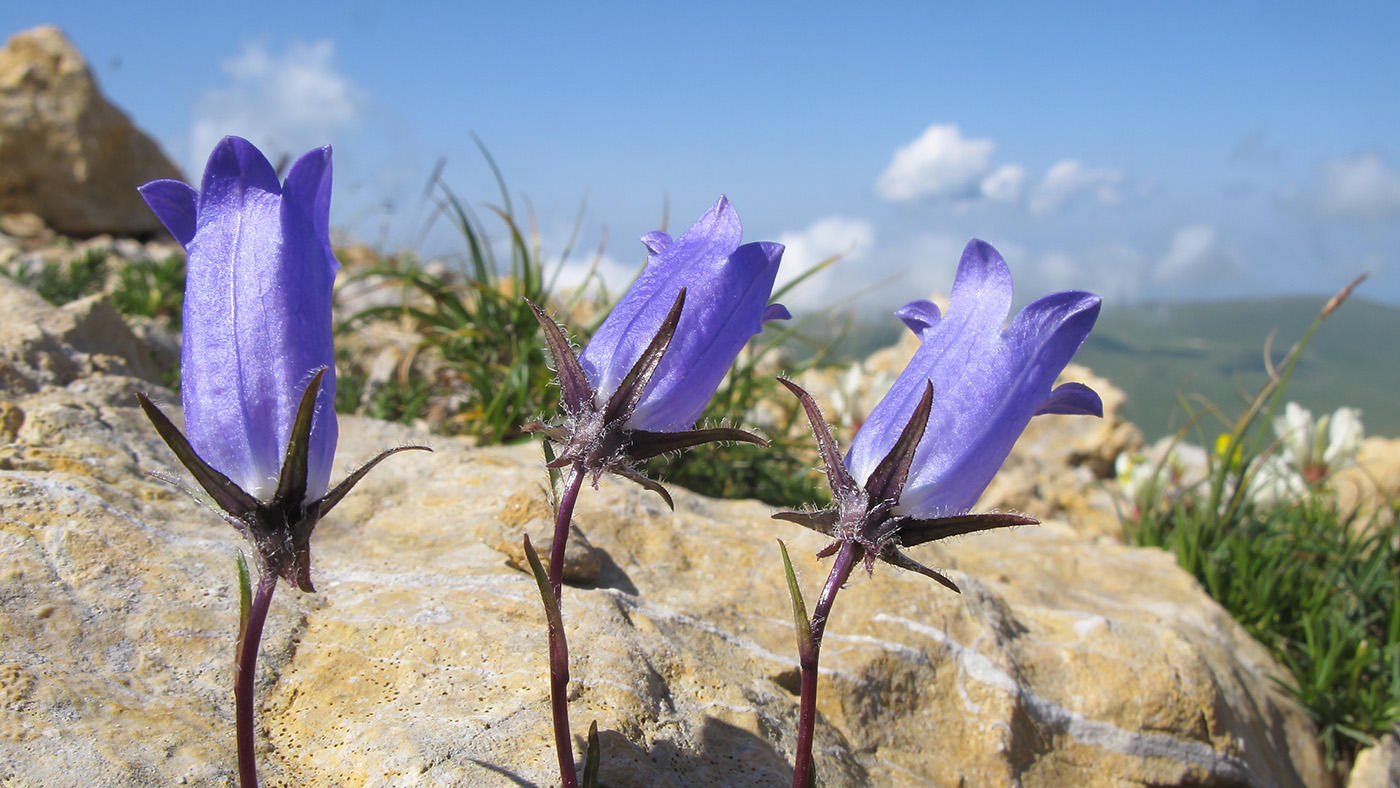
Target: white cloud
{"points": [[943, 165], [1070, 179], [610, 274], [1007, 184], [1116, 272], [1359, 186], [851, 238], [1194, 250], [940, 163], [287, 102]]}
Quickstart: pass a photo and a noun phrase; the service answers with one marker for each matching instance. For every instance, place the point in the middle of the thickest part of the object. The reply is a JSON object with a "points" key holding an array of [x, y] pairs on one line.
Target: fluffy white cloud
{"points": [[943, 165], [1007, 184], [940, 163], [609, 274], [1194, 250], [1114, 271], [1069, 179], [1359, 186], [286, 102], [830, 236]]}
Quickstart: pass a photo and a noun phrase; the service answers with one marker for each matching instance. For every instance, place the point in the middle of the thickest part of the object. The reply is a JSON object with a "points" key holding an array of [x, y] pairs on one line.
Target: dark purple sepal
{"points": [[279, 528], [228, 496], [915, 531], [887, 480], [646, 444], [895, 558], [629, 392], [574, 392], [838, 478], [823, 521], [636, 477]]}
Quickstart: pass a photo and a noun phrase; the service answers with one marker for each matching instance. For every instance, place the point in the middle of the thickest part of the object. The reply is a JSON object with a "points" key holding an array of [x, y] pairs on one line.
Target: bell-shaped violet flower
{"points": [[647, 374], [989, 379], [257, 370], [257, 313], [931, 446], [643, 381], [257, 375], [727, 288]]}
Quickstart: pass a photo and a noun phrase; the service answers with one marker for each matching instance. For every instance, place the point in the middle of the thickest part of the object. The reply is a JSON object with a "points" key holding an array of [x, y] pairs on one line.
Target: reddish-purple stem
{"points": [[243, 681], [849, 555], [558, 644]]}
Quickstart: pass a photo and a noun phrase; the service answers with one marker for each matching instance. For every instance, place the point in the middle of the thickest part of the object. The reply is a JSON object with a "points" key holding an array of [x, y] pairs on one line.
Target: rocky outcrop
{"points": [[1377, 766], [67, 155], [421, 661]]}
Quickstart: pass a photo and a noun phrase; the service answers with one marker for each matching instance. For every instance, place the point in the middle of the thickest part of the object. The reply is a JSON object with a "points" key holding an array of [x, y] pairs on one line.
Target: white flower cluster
{"points": [[1307, 454]]}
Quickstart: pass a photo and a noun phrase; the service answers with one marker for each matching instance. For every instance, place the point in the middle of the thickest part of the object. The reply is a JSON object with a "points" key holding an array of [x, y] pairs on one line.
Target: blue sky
{"points": [[1142, 151]]}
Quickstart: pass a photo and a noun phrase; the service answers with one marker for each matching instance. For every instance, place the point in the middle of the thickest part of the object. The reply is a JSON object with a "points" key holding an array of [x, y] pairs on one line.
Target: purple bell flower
{"points": [[727, 288], [988, 381], [257, 365], [257, 314], [651, 368], [931, 446]]}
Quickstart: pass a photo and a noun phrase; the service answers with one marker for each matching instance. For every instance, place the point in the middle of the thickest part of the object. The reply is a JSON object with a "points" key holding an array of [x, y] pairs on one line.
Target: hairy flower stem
{"points": [[558, 645], [246, 671], [849, 555]]}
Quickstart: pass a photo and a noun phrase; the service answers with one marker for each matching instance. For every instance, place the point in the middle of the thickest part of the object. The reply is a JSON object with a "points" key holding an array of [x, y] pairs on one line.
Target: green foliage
{"points": [[62, 282], [1318, 588], [488, 357], [784, 474], [1315, 584], [154, 289]]}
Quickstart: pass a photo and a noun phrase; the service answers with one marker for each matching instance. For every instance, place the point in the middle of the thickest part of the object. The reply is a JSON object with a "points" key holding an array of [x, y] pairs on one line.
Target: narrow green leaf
{"points": [[591, 757], [805, 646], [551, 605], [245, 600]]}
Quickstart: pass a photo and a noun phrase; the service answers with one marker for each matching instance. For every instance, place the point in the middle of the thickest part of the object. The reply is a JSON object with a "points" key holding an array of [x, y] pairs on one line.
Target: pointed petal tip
{"points": [[237, 159], [1073, 399], [775, 312], [656, 241], [919, 316], [174, 204]]}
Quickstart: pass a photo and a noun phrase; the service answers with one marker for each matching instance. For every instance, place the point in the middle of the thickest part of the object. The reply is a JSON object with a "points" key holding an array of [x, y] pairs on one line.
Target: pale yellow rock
{"points": [[422, 659], [1377, 766], [67, 155], [1371, 487]]}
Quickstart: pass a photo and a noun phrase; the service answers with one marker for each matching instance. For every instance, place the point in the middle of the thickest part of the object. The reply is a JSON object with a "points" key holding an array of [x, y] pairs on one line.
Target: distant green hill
{"points": [[1155, 351]]}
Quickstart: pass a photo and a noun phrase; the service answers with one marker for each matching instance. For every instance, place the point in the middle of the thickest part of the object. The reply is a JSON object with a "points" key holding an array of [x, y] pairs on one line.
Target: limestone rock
{"points": [[422, 660], [1372, 485], [41, 345], [68, 155], [1378, 766]]}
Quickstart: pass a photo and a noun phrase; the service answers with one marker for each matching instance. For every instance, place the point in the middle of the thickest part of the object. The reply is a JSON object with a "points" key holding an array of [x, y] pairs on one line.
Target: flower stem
{"points": [[846, 559], [245, 672], [558, 644]]}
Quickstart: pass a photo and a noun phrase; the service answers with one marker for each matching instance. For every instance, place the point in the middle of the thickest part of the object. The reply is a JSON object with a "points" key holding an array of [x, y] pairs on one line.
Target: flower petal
{"points": [[173, 202], [257, 320], [1073, 399], [919, 316]]}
